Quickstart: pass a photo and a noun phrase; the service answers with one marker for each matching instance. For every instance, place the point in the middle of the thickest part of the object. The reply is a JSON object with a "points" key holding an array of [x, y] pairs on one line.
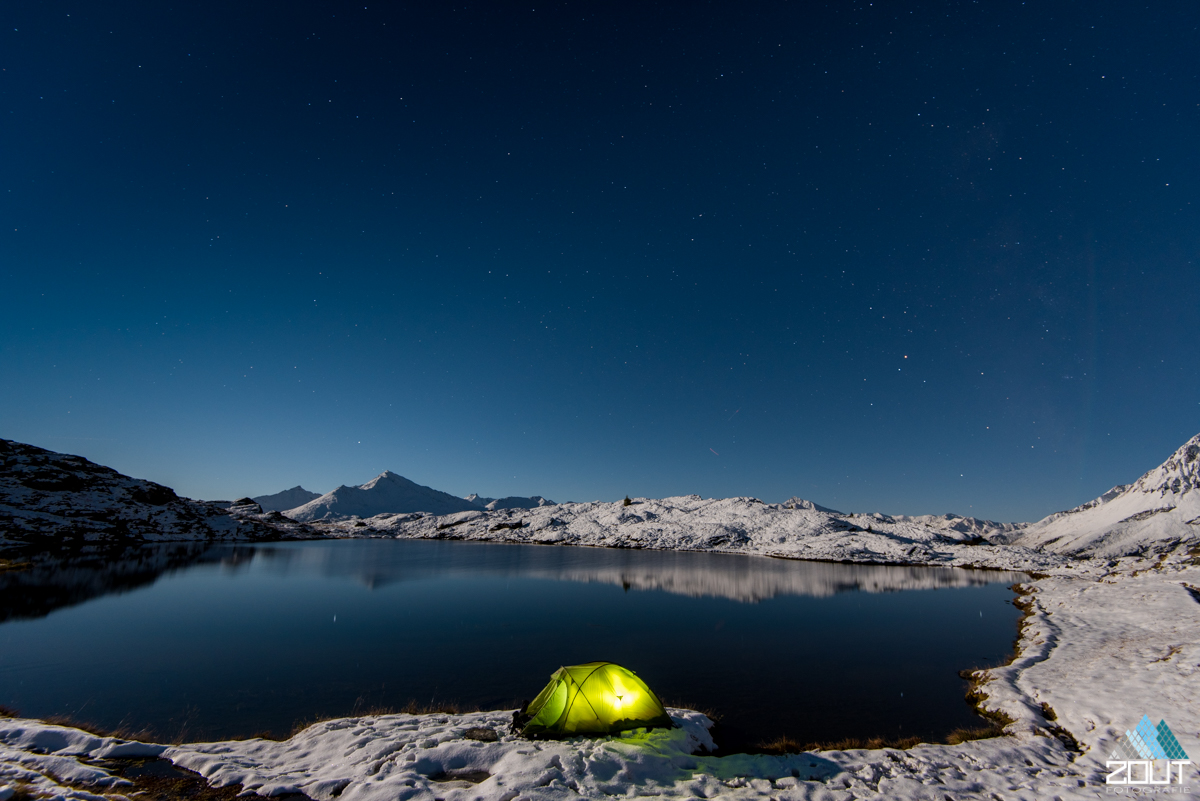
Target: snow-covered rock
{"points": [[287, 499], [44, 761], [1159, 510], [48, 499], [387, 493]]}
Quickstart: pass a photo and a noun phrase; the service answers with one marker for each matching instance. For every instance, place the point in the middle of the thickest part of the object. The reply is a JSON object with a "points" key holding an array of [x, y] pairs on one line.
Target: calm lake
{"points": [[198, 643]]}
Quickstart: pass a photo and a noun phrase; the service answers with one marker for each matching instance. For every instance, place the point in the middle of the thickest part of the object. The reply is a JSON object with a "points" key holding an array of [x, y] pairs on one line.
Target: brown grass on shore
{"points": [[788, 745]]}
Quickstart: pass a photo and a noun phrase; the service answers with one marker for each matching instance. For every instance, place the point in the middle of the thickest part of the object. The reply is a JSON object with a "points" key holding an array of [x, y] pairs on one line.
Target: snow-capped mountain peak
{"points": [[387, 493], [796, 502], [1178, 475], [1157, 509], [288, 499]]}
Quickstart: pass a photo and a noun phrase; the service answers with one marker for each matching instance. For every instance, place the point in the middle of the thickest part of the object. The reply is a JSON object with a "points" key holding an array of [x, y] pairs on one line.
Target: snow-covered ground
{"points": [[1113, 633]]}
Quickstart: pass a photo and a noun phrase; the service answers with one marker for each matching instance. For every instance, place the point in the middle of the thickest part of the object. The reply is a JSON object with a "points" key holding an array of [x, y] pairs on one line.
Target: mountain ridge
{"points": [[50, 498], [286, 499], [1160, 508], [387, 493]]}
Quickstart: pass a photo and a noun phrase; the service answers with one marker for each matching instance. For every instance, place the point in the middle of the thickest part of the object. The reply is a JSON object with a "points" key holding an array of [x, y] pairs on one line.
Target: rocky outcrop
{"points": [[49, 499]]}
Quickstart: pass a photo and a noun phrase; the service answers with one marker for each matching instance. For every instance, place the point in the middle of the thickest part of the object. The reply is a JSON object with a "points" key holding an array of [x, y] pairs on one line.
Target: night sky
{"points": [[907, 257]]}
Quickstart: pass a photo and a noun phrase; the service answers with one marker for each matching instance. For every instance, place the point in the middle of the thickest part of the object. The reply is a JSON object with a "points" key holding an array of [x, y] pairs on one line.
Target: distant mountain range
{"points": [[510, 502], [49, 498], [389, 493]]}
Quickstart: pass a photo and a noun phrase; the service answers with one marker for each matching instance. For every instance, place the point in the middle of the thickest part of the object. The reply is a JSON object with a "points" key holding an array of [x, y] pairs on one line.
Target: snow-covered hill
{"points": [[969, 526], [1159, 510], [288, 499], [387, 493], [49, 499], [727, 525], [799, 503]]}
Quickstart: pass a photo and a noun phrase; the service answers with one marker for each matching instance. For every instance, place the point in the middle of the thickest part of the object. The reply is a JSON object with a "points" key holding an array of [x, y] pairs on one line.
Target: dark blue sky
{"points": [[906, 257]]}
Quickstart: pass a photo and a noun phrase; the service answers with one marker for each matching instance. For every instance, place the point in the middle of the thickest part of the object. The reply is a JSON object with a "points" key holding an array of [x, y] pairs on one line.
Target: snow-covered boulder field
{"points": [[50, 499]]}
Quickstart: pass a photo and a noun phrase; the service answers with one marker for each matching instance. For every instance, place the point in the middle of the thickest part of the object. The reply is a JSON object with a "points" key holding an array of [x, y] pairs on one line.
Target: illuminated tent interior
{"points": [[593, 699]]}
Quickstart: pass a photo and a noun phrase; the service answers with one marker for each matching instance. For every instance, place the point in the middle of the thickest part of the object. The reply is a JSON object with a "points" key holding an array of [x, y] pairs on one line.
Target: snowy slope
{"points": [[1160, 509], [288, 499], [727, 525], [969, 526], [48, 499], [387, 493]]}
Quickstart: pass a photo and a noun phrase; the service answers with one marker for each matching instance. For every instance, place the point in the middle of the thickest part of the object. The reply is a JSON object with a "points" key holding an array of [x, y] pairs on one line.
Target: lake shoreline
{"points": [[1039, 691]]}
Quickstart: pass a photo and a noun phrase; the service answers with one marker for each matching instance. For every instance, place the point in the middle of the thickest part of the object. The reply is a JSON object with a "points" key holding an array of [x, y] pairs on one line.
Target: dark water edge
{"points": [[193, 641]]}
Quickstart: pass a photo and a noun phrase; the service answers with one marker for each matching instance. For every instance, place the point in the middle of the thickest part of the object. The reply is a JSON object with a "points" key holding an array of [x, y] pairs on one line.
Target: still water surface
{"points": [[258, 638]]}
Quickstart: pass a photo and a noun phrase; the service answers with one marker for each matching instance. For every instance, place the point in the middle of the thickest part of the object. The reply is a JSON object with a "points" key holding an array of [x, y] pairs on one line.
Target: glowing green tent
{"points": [[596, 698]]}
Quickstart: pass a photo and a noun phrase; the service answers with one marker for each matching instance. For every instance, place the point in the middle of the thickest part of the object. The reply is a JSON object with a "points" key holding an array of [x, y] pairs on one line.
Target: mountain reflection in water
{"points": [[695, 574], [54, 581]]}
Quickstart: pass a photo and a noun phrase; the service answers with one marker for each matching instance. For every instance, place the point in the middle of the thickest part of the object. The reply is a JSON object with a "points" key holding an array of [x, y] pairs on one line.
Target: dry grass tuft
{"points": [[788, 745], [120, 733], [962, 735], [154, 780], [23, 791], [432, 708], [709, 712]]}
